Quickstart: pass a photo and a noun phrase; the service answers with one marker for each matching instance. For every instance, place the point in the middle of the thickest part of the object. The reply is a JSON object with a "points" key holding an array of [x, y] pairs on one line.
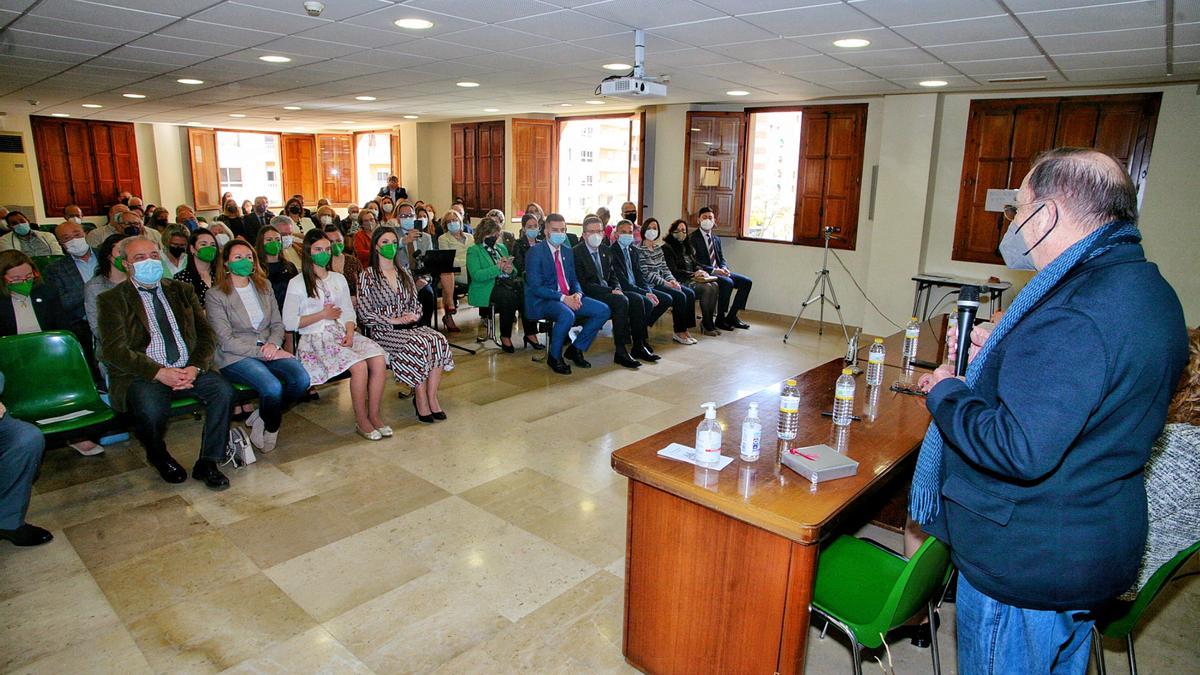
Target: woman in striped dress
{"points": [[388, 305]]}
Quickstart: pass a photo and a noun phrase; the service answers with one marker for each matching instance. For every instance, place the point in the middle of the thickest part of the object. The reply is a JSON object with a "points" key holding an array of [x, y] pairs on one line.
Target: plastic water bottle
{"points": [[911, 333], [708, 436], [875, 356], [843, 398], [789, 411], [751, 435]]}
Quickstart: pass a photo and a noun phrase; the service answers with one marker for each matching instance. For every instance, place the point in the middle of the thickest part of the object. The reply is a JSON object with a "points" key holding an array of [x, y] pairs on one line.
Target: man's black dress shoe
{"points": [[642, 354], [576, 357], [725, 326], [27, 535], [738, 323], [624, 359], [168, 468], [206, 470], [558, 365]]}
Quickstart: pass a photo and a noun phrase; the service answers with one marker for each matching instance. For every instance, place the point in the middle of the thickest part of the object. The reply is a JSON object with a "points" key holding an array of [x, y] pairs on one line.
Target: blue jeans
{"points": [[21, 446], [279, 384], [593, 312], [995, 638]]}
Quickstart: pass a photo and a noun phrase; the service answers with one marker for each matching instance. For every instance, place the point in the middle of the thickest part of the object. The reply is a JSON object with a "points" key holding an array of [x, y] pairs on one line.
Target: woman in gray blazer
{"points": [[243, 313]]}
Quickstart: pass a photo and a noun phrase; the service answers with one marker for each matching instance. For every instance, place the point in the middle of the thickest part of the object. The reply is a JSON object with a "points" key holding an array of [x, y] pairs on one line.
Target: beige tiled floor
{"points": [[491, 543]]}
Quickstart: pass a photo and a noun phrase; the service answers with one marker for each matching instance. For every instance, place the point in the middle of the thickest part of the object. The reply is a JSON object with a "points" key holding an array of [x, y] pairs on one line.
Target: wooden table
{"points": [[930, 345], [720, 566]]}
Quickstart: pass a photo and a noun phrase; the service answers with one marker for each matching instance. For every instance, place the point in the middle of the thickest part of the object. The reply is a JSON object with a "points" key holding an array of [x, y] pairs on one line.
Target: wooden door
{"points": [[490, 165], [336, 152], [533, 161], [114, 157], [713, 170], [829, 174], [299, 167], [206, 178], [58, 177]]}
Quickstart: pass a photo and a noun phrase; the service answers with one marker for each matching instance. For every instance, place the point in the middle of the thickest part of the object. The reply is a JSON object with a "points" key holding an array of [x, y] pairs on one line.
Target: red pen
{"points": [[805, 455]]}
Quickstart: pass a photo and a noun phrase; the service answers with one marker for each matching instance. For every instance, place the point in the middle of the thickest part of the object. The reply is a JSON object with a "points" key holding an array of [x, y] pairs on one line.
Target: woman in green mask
{"points": [[345, 264], [269, 247], [202, 251], [26, 305]]}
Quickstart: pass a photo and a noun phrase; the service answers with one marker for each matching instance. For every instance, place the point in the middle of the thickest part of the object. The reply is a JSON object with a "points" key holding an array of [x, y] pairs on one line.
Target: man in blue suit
{"points": [[552, 292], [706, 246]]}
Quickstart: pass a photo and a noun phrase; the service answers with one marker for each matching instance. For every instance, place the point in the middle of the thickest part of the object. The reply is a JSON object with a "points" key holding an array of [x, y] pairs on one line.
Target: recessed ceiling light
{"points": [[92, 105], [737, 92], [59, 115], [695, 129], [134, 95], [491, 110], [467, 84], [274, 58], [413, 24], [933, 83], [851, 43], [364, 98], [189, 80], [237, 114], [411, 117], [346, 122], [292, 107], [564, 105], [594, 102], [617, 66], [193, 124]]}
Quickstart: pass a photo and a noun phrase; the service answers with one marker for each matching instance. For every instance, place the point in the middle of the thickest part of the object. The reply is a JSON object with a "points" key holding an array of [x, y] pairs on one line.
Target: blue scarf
{"points": [[924, 500]]}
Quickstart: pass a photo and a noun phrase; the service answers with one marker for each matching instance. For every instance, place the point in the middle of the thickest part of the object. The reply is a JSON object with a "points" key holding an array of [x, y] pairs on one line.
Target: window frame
{"points": [[394, 139], [640, 117]]}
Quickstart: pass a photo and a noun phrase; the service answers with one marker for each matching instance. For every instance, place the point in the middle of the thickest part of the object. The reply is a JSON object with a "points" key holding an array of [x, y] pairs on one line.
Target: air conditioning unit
{"points": [[16, 184]]}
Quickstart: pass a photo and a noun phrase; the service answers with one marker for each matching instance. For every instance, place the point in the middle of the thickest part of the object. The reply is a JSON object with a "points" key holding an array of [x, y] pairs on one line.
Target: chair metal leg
{"points": [[856, 655], [1098, 646], [1132, 657], [933, 639], [824, 630]]}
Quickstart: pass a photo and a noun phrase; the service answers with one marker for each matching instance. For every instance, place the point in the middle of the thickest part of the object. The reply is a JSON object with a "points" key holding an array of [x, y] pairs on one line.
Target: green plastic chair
{"points": [[1120, 622], [867, 590], [47, 376], [41, 262], [47, 227]]}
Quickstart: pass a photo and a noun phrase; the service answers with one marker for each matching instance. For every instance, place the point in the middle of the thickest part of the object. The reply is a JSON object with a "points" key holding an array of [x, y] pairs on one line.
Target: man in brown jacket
{"points": [[158, 346]]}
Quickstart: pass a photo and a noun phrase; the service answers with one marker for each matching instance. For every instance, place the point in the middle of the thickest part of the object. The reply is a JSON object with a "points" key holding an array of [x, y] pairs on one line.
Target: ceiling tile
{"points": [[743, 7], [1187, 53], [436, 49], [256, 18], [16, 5], [1133, 38], [812, 20], [952, 82], [168, 7], [173, 58], [375, 57], [567, 24], [1140, 14], [964, 30], [1187, 34], [689, 58], [184, 45], [892, 13], [21, 39], [335, 10], [489, 38], [621, 44], [139, 66], [442, 23], [985, 49], [563, 52], [776, 48], [1121, 73], [887, 57], [1006, 66], [361, 36], [1132, 57], [199, 30], [486, 12], [642, 14], [47, 52], [840, 75], [866, 87], [321, 49], [72, 30], [926, 70], [102, 15], [880, 38], [716, 32], [252, 57], [800, 66]]}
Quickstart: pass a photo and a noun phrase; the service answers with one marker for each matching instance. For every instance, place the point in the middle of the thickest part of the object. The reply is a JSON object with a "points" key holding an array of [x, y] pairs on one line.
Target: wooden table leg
{"points": [[801, 575]]}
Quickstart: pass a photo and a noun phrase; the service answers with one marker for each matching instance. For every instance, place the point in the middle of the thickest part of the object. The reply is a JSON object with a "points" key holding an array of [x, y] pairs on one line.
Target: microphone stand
{"points": [[826, 286]]}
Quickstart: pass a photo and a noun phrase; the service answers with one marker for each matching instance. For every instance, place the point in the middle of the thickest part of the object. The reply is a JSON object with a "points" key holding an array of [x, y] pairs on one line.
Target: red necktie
{"points": [[563, 289]]}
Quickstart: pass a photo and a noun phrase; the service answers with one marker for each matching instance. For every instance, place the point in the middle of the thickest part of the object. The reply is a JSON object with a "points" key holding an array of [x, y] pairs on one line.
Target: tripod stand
{"points": [[826, 285]]}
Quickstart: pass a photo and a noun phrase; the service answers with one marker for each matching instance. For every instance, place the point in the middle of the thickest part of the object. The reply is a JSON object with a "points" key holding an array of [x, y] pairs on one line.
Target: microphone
{"points": [[968, 307]]}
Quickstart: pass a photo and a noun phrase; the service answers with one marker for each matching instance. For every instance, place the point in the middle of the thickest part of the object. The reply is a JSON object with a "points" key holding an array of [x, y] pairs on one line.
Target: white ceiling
{"points": [[537, 56]]}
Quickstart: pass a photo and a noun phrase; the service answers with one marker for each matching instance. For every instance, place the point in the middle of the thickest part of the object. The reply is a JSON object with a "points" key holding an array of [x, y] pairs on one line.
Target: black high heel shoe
{"points": [[438, 414], [507, 348], [534, 345], [427, 419]]}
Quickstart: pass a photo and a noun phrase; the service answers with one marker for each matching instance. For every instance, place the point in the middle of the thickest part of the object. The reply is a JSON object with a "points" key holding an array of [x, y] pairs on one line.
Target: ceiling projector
{"points": [[636, 84]]}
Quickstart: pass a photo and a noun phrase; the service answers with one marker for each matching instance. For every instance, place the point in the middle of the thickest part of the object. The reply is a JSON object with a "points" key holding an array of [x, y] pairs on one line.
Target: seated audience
{"points": [[160, 220], [186, 217], [27, 239], [453, 285], [67, 277], [71, 212], [26, 304], [654, 269], [626, 260], [392, 190], [290, 241], [301, 222], [599, 281], [128, 223], [279, 270], [158, 346], [686, 271], [221, 232], [388, 305], [21, 447], [326, 215], [413, 245], [259, 217], [387, 211], [629, 211], [245, 318], [345, 264], [460, 206], [319, 307], [494, 283], [706, 247], [362, 236], [175, 249], [231, 217], [110, 271], [304, 212], [247, 207], [350, 222], [423, 222], [199, 273], [552, 292], [531, 234]]}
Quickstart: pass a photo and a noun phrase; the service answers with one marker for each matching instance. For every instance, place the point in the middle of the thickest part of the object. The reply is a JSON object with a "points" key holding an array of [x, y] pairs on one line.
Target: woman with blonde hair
{"points": [[453, 239]]}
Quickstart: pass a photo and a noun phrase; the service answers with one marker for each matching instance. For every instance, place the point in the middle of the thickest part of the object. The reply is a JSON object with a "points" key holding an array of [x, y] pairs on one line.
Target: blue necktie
{"points": [[629, 267], [599, 268]]}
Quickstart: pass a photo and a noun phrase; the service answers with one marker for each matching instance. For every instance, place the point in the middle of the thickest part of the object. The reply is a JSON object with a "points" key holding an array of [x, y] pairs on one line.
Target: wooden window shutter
{"points": [[84, 162], [713, 171], [336, 153], [829, 175], [114, 153], [299, 167], [477, 157], [533, 146], [206, 179]]}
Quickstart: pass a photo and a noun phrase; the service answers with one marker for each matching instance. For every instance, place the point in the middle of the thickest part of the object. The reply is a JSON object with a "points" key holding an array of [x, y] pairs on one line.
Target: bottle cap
{"points": [[754, 410], [711, 410], [847, 371], [878, 341], [913, 319], [790, 383]]}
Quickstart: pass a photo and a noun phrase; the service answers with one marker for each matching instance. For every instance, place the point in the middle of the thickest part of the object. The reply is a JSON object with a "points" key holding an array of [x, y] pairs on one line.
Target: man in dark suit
{"points": [[706, 247], [259, 217], [158, 346], [599, 281], [552, 292], [393, 190], [66, 276], [629, 273]]}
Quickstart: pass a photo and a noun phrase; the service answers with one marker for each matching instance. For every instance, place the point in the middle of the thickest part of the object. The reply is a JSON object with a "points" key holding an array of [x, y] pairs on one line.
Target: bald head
{"points": [[1089, 187]]}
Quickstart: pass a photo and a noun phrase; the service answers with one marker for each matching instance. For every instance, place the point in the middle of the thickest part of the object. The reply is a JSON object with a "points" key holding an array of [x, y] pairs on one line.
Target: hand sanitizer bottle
{"points": [[751, 435], [708, 436]]}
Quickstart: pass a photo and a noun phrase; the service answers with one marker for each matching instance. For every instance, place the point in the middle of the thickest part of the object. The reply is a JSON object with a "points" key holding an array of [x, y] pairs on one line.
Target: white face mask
{"points": [[651, 235], [387, 208], [222, 239], [707, 224], [326, 220], [78, 247], [76, 219], [286, 240], [594, 240]]}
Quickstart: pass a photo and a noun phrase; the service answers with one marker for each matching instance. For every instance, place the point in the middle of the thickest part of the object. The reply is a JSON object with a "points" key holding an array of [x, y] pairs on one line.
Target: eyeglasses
{"points": [[28, 277], [1010, 210]]}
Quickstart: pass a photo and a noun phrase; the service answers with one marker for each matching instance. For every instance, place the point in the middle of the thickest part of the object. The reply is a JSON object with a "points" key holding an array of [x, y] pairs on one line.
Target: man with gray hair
{"points": [[124, 222], [291, 243], [1031, 470]]}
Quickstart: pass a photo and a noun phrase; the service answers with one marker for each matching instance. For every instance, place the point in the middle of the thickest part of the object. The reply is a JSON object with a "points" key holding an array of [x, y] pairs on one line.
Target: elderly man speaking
{"points": [[1032, 468]]}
